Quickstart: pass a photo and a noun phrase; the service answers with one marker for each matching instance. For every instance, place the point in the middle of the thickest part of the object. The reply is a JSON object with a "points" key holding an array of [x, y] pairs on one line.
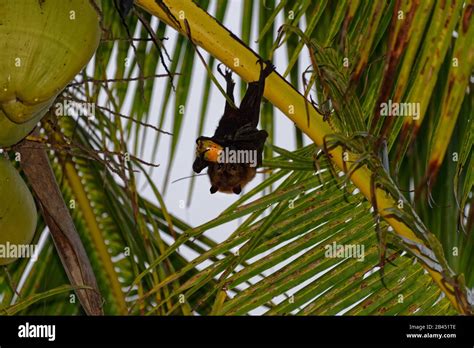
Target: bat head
{"points": [[230, 177], [207, 149]]}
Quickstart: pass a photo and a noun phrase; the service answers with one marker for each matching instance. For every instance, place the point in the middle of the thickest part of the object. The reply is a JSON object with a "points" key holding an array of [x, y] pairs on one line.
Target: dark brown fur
{"points": [[230, 177]]}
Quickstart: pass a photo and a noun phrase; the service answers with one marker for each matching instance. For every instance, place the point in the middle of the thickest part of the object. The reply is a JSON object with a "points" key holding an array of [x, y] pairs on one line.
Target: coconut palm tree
{"points": [[372, 213]]}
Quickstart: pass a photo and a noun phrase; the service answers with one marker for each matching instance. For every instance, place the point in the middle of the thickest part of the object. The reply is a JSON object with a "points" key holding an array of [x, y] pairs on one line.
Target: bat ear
{"points": [[213, 189], [202, 138], [237, 189]]}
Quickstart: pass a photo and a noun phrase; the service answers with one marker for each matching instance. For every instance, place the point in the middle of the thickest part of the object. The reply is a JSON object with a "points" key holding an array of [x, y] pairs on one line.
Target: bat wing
{"points": [[250, 105], [238, 127], [249, 111], [250, 138]]}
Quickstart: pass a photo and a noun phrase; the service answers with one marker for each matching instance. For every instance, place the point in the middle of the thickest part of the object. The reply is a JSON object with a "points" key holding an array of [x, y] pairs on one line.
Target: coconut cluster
{"points": [[43, 45]]}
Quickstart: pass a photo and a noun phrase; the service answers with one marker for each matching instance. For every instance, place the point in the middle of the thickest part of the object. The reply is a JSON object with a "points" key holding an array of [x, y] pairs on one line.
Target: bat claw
{"points": [[269, 68], [227, 74]]}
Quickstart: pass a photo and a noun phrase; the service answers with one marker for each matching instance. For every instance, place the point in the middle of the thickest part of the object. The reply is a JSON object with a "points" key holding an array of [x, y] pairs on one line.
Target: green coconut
{"points": [[18, 216], [11, 133], [43, 45]]}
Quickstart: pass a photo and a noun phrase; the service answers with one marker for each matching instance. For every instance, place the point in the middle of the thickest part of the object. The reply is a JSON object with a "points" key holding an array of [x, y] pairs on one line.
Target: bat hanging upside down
{"points": [[233, 154]]}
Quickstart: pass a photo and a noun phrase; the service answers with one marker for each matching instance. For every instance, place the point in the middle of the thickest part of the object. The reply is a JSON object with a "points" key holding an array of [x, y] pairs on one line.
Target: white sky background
{"points": [[204, 206]]}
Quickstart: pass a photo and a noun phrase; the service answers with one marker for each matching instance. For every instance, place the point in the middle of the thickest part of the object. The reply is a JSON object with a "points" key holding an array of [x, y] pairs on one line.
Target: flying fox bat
{"points": [[234, 152]]}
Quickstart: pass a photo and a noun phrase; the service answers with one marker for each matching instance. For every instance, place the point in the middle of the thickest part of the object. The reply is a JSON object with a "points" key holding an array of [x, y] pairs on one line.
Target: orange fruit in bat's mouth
{"points": [[208, 150]]}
